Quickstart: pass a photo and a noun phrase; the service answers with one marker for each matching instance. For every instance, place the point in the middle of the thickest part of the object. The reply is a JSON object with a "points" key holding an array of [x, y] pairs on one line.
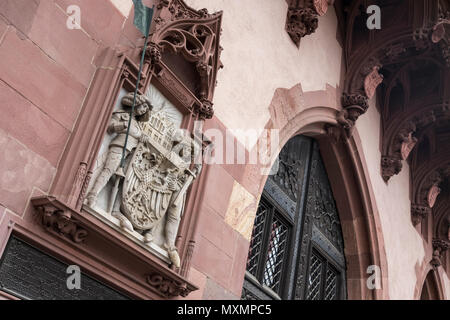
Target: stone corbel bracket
{"points": [[303, 17], [356, 103], [193, 36], [439, 248], [59, 221], [169, 288]]}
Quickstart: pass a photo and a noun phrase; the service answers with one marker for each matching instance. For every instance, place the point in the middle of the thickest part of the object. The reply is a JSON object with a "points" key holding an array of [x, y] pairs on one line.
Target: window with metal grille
{"points": [[268, 247], [296, 249], [322, 279]]}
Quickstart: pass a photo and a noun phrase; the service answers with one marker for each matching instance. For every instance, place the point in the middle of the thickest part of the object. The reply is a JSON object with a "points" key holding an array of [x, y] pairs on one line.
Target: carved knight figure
{"points": [[158, 173], [118, 125]]}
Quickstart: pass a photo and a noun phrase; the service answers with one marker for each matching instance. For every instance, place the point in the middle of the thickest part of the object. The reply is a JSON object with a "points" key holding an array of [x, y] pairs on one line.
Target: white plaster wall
{"points": [[124, 6], [404, 246], [259, 57]]}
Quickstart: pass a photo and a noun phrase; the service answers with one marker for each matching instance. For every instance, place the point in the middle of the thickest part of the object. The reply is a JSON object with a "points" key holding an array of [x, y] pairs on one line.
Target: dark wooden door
{"points": [[296, 250]]}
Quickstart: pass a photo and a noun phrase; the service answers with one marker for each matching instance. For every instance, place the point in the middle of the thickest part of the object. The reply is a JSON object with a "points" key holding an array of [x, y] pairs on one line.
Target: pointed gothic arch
{"points": [[348, 176]]}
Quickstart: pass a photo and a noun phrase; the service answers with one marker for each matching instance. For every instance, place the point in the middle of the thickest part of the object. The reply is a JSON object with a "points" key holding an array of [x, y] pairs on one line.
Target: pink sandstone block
{"points": [[100, 19], [29, 125], [218, 195], [217, 231], [20, 13], [212, 261], [72, 49], [40, 79], [239, 265], [22, 169]]}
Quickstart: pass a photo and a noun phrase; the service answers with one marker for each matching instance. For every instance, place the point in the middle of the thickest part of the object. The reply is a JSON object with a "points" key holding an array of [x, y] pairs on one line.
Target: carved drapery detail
{"points": [[194, 36], [60, 222], [440, 246], [302, 17]]}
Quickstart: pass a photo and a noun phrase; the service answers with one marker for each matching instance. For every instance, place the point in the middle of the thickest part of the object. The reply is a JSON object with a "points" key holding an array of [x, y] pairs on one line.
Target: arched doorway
{"points": [[296, 250]]}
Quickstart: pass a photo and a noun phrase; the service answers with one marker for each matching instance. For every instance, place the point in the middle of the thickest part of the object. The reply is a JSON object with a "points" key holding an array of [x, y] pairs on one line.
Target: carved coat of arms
{"points": [[157, 176]]}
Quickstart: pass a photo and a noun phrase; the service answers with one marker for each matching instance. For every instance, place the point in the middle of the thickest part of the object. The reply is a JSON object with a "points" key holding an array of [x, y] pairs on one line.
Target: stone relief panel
{"points": [[144, 197]]}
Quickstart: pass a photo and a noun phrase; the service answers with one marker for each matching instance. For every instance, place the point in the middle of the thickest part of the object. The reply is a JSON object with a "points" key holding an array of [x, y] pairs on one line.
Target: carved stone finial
{"points": [[439, 248]]}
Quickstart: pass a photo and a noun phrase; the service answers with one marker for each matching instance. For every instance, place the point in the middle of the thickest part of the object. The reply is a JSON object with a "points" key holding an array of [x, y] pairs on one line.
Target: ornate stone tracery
{"points": [[194, 37]]}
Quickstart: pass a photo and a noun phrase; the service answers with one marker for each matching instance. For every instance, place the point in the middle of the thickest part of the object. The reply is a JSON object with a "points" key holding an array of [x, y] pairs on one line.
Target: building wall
{"points": [[46, 70]]}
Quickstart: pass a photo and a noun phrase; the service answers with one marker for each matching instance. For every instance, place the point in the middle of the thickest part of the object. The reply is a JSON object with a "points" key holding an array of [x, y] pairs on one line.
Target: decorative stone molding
{"points": [[302, 17], [168, 288], [439, 248], [60, 222]]}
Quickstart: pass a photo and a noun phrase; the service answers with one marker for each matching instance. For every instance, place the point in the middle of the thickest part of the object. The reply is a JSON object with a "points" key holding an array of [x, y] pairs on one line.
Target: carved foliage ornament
{"points": [[302, 18], [61, 223], [167, 287], [439, 248], [195, 36], [354, 105]]}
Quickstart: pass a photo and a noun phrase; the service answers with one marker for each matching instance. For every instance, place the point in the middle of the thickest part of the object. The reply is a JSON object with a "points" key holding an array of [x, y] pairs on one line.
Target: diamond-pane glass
{"points": [[314, 278], [256, 242], [275, 254], [331, 285]]}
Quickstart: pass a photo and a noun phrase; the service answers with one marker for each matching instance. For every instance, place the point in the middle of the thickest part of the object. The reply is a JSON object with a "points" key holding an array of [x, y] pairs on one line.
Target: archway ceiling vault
{"points": [[406, 64]]}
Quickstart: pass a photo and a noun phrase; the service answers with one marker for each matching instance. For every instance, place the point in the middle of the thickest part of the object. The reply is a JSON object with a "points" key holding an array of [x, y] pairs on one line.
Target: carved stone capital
{"points": [[166, 287], [61, 222], [439, 248], [419, 212], [390, 166], [354, 105]]}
